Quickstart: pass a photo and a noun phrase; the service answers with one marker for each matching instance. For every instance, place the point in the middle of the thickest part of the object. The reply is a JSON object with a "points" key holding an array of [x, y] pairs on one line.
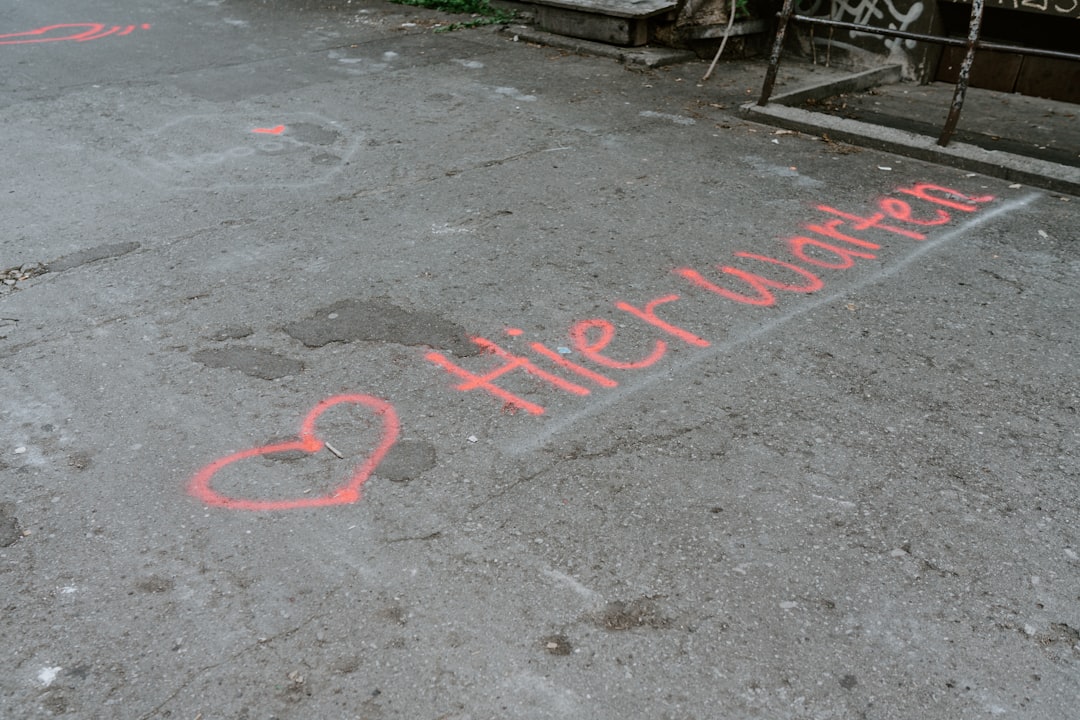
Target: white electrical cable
{"points": [[730, 22]]}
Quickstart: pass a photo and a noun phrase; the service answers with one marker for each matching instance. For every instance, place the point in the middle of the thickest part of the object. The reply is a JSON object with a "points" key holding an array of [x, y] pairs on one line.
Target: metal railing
{"points": [[972, 44]]}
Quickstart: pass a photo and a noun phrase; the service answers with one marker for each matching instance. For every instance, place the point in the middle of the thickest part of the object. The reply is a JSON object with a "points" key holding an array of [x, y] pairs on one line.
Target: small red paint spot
{"points": [[277, 130], [514, 332]]}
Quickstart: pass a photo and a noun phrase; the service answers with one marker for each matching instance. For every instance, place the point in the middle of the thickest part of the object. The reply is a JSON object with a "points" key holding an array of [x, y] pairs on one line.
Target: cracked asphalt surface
{"points": [[561, 388]]}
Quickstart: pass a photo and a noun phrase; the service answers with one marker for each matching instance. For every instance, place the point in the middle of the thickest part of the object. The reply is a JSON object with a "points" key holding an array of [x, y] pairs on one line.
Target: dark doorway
{"points": [[1008, 72]]}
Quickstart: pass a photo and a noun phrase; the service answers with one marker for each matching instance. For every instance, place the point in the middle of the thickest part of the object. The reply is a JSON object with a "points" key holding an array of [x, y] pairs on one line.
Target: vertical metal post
{"points": [[965, 72], [778, 45]]}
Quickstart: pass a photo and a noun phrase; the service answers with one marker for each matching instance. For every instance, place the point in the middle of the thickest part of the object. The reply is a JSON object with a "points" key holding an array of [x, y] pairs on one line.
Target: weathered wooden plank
{"points": [[638, 9], [593, 26]]}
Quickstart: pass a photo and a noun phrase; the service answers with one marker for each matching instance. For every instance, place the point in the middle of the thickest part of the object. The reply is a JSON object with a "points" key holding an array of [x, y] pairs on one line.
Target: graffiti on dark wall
{"points": [[860, 47], [894, 15]]}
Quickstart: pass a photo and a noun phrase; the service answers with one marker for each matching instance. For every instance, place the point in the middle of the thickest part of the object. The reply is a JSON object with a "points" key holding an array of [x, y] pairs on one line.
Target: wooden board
{"points": [[991, 70], [1050, 78], [637, 9]]}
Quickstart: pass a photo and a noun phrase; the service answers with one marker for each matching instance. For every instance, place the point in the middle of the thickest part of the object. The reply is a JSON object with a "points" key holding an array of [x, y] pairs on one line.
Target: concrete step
{"points": [[618, 22]]}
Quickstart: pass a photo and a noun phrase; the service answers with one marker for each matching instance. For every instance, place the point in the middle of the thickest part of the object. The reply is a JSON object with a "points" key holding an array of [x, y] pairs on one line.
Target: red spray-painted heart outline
{"points": [[307, 441]]}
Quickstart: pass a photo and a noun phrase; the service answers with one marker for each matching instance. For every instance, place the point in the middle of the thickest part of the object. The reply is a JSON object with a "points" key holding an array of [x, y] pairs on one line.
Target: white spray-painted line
{"points": [[515, 94], [533, 441], [589, 594], [677, 119], [763, 166]]}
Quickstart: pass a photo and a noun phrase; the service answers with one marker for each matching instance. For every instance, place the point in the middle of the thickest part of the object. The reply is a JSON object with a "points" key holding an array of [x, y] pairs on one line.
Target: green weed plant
{"points": [[487, 15]]}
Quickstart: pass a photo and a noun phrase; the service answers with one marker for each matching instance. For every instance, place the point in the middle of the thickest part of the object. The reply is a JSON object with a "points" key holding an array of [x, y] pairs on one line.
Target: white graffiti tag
{"points": [[865, 12], [1068, 9], [1065, 7]]}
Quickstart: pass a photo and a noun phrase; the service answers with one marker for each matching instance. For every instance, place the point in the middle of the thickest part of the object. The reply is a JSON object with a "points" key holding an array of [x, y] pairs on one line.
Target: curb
{"points": [[650, 57], [1008, 166], [856, 82], [995, 163]]}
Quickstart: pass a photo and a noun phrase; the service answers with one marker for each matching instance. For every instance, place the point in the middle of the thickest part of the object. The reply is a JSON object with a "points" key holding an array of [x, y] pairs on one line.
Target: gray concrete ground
{"points": [[808, 441]]}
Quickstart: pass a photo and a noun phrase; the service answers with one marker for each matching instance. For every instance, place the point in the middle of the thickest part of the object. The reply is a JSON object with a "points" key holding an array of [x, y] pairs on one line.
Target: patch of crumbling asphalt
{"points": [[231, 332], [89, 255], [10, 531], [250, 361], [10, 277], [639, 612], [380, 321], [407, 460]]}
